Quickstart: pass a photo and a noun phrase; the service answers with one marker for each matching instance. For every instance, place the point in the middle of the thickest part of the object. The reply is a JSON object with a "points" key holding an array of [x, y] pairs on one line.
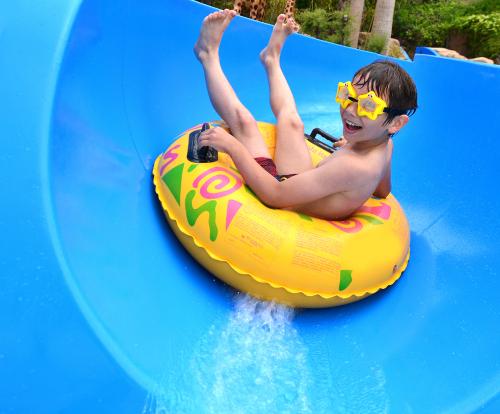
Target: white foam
{"points": [[253, 363], [257, 364]]}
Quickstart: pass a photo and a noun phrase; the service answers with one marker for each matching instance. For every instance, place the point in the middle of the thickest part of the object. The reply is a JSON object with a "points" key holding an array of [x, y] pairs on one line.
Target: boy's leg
{"points": [[292, 154], [241, 122]]}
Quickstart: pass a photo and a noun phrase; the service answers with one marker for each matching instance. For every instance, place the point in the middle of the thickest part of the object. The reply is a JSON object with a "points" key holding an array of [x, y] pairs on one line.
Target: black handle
{"points": [[324, 134], [200, 154], [312, 138]]}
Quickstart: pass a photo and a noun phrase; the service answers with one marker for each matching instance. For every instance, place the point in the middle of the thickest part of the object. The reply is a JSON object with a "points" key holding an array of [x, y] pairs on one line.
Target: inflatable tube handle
{"points": [[324, 134], [312, 138], [199, 154]]}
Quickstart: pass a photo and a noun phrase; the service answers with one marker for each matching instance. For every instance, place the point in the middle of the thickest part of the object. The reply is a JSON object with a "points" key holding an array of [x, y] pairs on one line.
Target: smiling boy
{"points": [[374, 106]]}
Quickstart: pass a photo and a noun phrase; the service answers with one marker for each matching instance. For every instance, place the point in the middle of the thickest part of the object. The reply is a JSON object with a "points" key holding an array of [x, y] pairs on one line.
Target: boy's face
{"points": [[361, 128]]}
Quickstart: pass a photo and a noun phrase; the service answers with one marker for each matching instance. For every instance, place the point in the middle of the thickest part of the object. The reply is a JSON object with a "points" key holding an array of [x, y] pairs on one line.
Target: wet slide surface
{"points": [[102, 310]]}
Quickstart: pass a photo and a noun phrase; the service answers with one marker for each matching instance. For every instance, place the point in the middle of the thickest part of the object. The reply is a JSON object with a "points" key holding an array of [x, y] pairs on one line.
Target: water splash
{"points": [[254, 363], [258, 363]]}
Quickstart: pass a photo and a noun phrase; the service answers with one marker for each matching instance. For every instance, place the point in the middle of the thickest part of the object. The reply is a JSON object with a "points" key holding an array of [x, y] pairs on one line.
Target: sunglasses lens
{"points": [[368, 105], [343, 93]]}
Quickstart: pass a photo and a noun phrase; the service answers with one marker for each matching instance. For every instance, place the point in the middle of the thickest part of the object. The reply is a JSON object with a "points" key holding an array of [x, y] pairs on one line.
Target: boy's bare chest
{"points": [[333, 156]]}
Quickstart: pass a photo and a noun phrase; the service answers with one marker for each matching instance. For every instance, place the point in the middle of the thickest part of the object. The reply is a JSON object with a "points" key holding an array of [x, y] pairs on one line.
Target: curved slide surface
{"points": [[102, 311]]}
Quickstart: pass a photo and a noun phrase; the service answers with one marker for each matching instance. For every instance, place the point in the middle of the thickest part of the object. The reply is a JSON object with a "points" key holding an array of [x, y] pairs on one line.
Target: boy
{"points": [[342, 182]]}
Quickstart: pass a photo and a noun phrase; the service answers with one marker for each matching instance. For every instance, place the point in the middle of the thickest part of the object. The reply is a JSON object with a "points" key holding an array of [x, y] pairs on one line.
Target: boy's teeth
{"points": [[351, 124]]}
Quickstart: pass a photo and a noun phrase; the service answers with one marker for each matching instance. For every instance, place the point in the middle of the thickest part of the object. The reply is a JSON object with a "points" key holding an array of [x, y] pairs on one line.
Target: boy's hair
{"points": [[389, 79]]}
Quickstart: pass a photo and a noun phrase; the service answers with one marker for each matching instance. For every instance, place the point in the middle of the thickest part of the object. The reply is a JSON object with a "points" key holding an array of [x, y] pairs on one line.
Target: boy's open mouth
{"points": [[351, 126]]}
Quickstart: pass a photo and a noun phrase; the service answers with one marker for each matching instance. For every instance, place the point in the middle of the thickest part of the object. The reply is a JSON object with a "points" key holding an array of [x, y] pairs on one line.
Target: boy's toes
{"points": [[292, 25], [281, 18]]}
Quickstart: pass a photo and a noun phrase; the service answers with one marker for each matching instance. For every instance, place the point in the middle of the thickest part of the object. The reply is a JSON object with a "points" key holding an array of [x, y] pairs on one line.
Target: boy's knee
{"points": [[245, 119], [291, 120]]}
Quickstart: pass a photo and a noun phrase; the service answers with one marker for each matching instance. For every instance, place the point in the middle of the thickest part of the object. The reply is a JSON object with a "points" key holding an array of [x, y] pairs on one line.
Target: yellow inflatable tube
{"points": [[276, 254]]}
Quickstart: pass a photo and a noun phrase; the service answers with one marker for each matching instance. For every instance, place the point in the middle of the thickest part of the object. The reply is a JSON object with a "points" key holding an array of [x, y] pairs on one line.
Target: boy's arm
{"points": [[384, 187], [312, 185], [330, 178]]}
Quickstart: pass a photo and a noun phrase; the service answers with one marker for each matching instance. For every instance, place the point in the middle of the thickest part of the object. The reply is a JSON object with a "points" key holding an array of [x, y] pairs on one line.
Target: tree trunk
{"points": [[355, 15], [382, 20]]}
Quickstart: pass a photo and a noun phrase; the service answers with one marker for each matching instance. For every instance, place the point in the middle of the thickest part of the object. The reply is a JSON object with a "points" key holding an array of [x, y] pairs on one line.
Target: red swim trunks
{"points": [[269, 165]]}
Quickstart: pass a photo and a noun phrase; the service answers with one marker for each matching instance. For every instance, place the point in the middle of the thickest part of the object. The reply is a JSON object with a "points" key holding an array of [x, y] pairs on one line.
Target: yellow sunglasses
{"points": [[369, 104]]}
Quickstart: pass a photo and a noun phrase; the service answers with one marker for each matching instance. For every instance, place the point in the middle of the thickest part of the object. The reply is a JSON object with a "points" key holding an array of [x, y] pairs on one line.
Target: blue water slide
{"points": [[422, 50], [102, 311]]}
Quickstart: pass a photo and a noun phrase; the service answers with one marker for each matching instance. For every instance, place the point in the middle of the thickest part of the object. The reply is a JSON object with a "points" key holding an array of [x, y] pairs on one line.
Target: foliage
{"points": [[314, 23], [368, 13], [483, 32], [326, 25], [431, 22], [376, 43], [416, 22], [395, 50], [425, 23], [220, 4], [484, 7], [328, 5], [273, 9]]}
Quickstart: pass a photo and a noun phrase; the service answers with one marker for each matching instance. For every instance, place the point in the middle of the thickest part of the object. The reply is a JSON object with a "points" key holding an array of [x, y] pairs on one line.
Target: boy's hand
{"points": [[217, 138], [340, 143]]}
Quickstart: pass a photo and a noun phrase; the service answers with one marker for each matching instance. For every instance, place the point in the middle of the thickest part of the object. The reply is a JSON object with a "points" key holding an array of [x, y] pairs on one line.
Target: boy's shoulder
{"points": [[348, 166], [358, 165]]}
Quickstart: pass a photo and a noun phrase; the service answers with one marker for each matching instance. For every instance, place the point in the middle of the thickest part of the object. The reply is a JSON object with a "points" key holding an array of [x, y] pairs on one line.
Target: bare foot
{"points": [[211, 33], [281, 31]]}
